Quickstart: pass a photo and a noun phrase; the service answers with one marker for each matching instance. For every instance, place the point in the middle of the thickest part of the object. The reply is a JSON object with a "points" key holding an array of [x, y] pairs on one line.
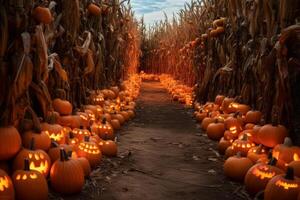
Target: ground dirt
{"points": [[163, 155]]}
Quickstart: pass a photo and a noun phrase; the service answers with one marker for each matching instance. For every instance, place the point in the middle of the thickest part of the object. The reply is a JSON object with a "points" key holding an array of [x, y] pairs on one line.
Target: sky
{"points": [[153, 10]]}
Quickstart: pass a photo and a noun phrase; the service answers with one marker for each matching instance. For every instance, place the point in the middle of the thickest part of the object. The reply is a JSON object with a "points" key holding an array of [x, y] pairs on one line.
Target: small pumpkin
{"points": [[7, 191], [42, 15], [103, 129], [63, 107], [271, 135], [66, 176], [54, 152], [119, 117], [253, 117], [55, 132], [259, 175], [30, 184], [215, 130], [236, 167], [10, 142], [242, 145], [80, 133], [206, 121], [115, 124], [256, 153], [219, 99], [72, 121], [223, 145], [200, 115], [108, 148], [282, 187]]}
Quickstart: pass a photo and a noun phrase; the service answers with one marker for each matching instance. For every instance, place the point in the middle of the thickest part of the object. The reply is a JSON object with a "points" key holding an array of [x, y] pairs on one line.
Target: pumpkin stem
{"points": [[270, 154], [32, 144], [62, 157], [86, 138], [54, 143], [70, 154], [289, 173], [239, 154], [273, 161], [104, 120], [236, 114], [26, 164], [71, 135], [66, 156], [288, 142], [81, 127]]}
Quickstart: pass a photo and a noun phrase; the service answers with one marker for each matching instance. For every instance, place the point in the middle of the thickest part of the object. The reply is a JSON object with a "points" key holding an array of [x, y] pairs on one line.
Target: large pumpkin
{"points": [[242, 145], [283, 187], [42, 140], [66, 176], [55, 131], [270, 135], [236, 167], [30, 184], [256, 153], [259, 175], [215, 130], [63, 107], [10, 142], [38, 160], [7, 191]]}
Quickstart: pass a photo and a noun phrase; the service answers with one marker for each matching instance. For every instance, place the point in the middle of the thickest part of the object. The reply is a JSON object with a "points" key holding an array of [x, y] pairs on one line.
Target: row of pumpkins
{"points": [[67, 149], [263, 157]]}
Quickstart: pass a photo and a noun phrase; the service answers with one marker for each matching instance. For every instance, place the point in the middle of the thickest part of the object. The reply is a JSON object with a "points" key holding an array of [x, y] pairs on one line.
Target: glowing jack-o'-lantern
{"points": [[84, 119], [256, 153], [259, 175], [55, 132], [90, 151], [286, 153], [98, 100], [30, 184], [283, 187], [223, 145], [38, 160], [80, 133], [103, 129], [242, 145], [6, 187]]}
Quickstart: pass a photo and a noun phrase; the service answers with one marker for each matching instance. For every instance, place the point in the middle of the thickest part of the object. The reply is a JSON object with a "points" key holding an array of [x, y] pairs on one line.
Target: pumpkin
{"points": [[286, 152], [131, 113], [42, 140], [72, 121], [55, 132], [10, 142], [91, 151], [242, 145], [200, 115], [54, 152], [226, 102], [296, 166], [72, 140], [30, 184], [249, 126], [84, 119], [253, 117], [108, 148], [115, 124], [42, 15], [66, 176], [270, 135], [229, 152], [125, 115], [234, 122], [206, 121], [5, 167], [119, 117], [236, 167], [256, 153], [98, 100], [282, 187], [63, 107], [219, 99], [103, 129], [7, 191], [223, 145], [80, 133], [215, 130], [259, 175], [38, 159]]}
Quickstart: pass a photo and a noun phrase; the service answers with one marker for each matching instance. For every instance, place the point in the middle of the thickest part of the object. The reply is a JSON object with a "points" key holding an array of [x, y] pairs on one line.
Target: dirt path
{"points": [[164, 155]]}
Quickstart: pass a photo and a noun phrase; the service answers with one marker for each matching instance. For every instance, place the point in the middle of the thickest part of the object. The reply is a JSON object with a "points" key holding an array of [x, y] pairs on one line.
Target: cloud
{"points": [[153, 10]]}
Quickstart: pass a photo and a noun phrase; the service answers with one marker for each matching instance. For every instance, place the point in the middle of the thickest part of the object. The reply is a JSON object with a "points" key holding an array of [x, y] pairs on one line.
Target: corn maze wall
{"points": [[62, 48], [248, 50]]}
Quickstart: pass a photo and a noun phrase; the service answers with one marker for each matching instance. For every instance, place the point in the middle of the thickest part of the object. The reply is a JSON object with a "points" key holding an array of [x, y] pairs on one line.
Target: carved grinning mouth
{"points": [[262, 174], [286, 185], [4, 183], [43, 166]]}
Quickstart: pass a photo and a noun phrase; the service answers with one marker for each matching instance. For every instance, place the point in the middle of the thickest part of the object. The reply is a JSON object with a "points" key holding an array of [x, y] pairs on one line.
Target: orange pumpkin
{"points": [[236, 167], [94, 9], [253, 117], [259, 175], [256, 153], [242, 145], [42, 140], [108, 148], [63, 107], [10, 142], [219, 99], [90, 151], [223, 145], [206, 121], [270, 135], [55, 132], [42, 15], [115, 124], [215, 130], [283, 187]]}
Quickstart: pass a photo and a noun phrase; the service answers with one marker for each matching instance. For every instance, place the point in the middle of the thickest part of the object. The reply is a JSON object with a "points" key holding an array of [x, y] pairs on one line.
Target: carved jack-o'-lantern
{"points": [[55, 132], [242, 145], [84, 119], [30, 184], [80, 133], [98, 100], [6, 187], [283, 187], [256, 153], [108, 148], [38, 160], [259, 175], [103, 129], [286, 153], [91, 151]]}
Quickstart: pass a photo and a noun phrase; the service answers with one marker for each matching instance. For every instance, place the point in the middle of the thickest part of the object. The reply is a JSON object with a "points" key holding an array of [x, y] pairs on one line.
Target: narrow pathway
{"points": [[167, 156]]}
